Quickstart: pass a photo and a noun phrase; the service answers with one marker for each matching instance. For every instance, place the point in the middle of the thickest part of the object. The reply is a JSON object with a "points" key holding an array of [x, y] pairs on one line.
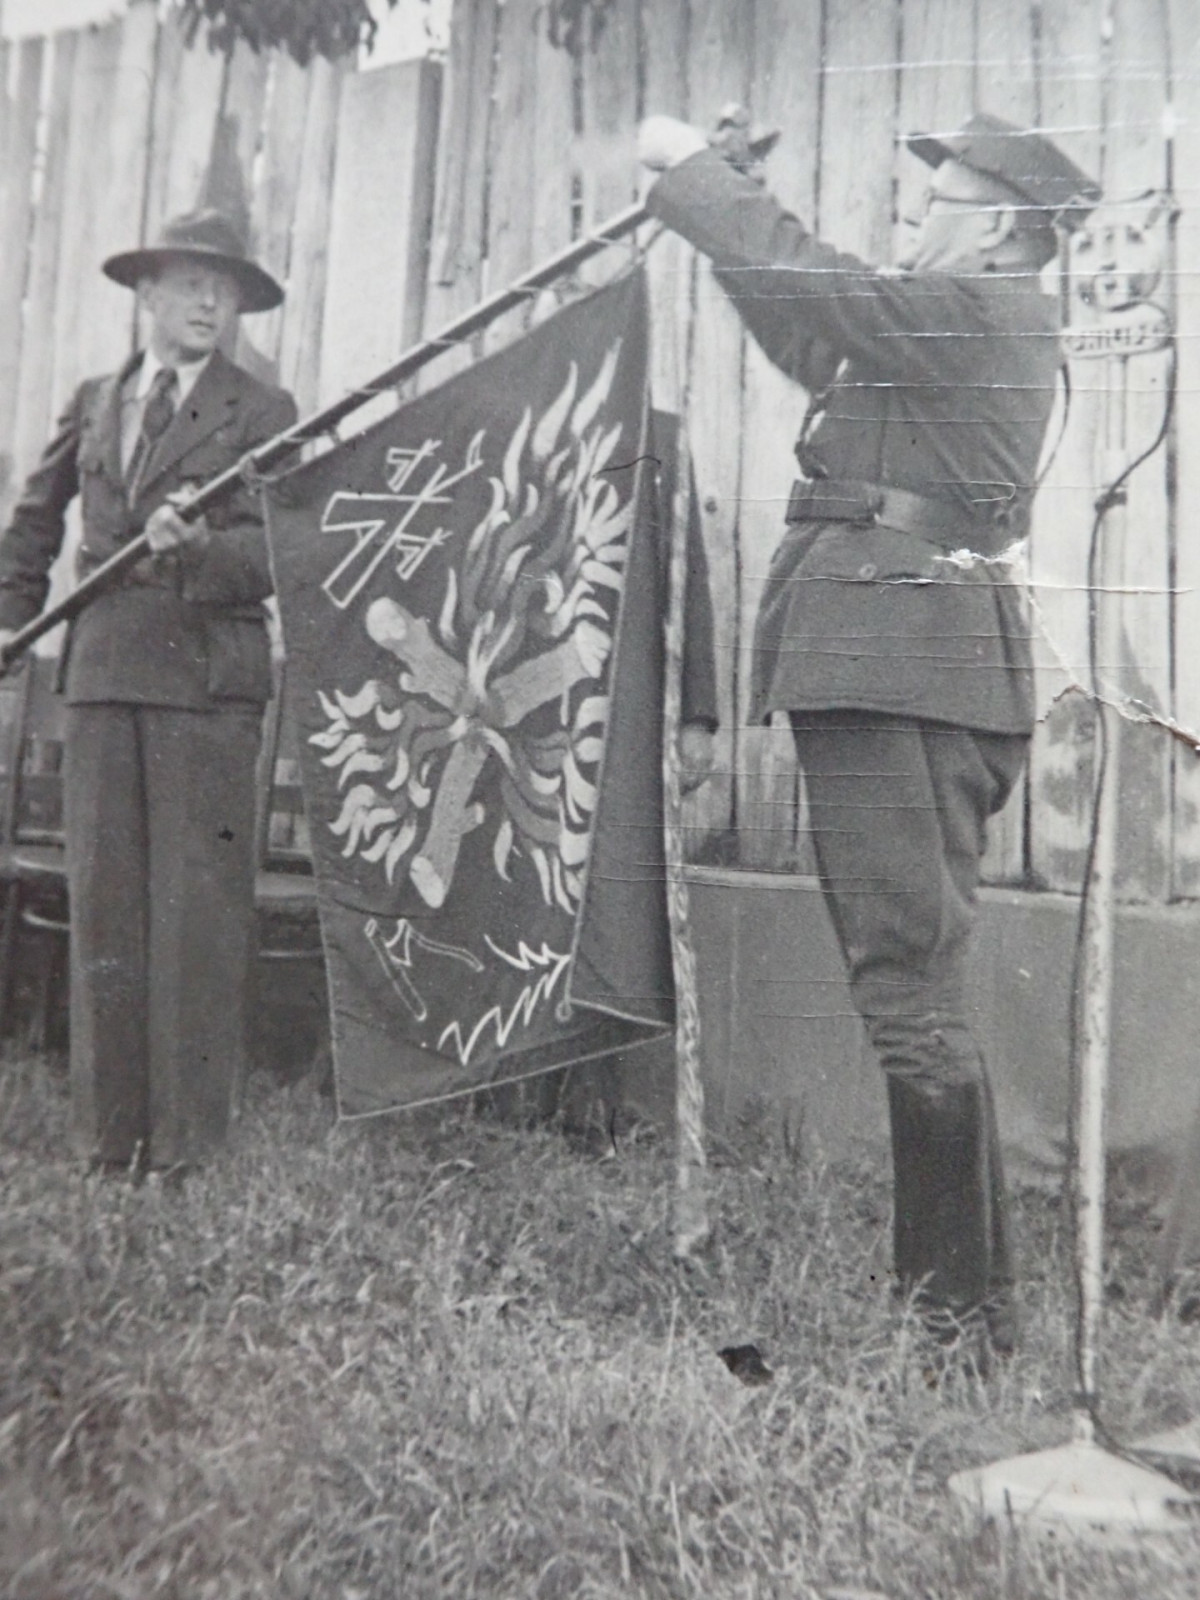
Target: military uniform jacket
{"points": [[940, 386], [185, 629]]}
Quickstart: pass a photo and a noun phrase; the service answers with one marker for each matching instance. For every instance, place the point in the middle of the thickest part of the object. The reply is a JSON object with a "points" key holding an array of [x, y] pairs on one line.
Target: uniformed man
{"points": [[166, 675], [891, 629]]}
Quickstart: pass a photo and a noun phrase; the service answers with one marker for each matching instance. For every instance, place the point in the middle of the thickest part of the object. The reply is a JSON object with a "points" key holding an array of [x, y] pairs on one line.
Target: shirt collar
{"points": [[187, 374]]}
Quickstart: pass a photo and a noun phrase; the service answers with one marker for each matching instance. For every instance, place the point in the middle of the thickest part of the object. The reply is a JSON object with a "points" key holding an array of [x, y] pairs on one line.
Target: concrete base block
{"points": [[779, 1030]]}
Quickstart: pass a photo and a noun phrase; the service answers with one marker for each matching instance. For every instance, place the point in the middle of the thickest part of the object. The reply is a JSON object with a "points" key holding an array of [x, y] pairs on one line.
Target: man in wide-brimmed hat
{"points": [[165, 677], [892, 629]]}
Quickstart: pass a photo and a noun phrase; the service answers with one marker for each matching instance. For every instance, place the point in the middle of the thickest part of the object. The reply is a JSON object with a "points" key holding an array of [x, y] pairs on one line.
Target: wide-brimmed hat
{"points": [[1024, 160], [207, 236]]}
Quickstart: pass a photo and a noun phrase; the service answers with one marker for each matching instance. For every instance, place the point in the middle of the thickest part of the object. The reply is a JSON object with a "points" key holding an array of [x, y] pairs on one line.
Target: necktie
{"points": [[156, 418]]}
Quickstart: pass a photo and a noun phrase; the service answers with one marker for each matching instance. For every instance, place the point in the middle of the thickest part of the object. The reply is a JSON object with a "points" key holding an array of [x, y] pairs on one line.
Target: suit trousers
{"points": [[898, 809], [160, 816]]}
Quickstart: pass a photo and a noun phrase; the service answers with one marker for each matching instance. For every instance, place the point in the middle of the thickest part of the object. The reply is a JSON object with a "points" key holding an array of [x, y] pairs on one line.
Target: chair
{"points": [[285, 890], [33, 878], [32, 856]]}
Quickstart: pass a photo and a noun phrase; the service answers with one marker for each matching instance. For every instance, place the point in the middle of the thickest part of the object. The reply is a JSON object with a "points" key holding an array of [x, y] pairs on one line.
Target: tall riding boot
{"points": [[942, 1188]]}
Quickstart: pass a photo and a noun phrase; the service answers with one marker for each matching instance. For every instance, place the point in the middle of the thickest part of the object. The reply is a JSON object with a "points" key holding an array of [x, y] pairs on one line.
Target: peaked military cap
{"points": [[209, 237], [1024, 160]]}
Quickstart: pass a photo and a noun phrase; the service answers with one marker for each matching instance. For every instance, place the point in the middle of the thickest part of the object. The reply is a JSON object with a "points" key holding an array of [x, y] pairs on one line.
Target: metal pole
{"points": [[1096, 989]]}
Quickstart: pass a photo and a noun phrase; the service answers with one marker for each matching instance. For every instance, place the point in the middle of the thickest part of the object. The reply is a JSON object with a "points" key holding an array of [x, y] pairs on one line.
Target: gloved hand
{"points": [[666, 141], [737, 144]]}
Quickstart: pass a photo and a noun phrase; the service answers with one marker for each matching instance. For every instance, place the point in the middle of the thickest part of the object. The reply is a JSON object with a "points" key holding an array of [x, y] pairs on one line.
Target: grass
{"points": [[442, 1356]]}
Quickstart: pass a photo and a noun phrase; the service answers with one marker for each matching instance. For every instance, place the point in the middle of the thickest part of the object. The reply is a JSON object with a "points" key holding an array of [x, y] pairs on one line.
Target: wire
{"points": [[1110, 496]]}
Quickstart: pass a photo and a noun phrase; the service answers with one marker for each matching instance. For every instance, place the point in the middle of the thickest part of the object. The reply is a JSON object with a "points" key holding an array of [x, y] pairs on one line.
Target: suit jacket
{"points": [[944, 386], [185, 629]]}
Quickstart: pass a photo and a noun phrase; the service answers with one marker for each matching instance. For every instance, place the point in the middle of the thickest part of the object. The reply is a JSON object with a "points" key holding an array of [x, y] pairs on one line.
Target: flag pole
{"points": [[264, 458]]}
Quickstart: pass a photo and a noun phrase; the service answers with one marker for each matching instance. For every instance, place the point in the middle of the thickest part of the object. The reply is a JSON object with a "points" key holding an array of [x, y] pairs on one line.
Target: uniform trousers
{"points": [[160, 818], [898, 810]]}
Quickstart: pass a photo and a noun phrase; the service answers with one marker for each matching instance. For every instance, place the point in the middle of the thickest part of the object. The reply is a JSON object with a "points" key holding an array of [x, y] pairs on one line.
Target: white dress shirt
{"points": [[136, 392]]}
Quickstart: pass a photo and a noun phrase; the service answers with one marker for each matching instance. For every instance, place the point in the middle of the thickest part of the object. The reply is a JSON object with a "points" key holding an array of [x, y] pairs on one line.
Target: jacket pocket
{"points": [[239, 658]]}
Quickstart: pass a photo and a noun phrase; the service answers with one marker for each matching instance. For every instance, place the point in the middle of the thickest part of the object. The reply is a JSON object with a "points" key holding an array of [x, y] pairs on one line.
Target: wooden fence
{"points": [[387, 213]]}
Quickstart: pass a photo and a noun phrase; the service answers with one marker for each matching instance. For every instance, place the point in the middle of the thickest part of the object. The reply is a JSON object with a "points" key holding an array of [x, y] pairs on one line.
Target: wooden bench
{"points": [[33, 880]]}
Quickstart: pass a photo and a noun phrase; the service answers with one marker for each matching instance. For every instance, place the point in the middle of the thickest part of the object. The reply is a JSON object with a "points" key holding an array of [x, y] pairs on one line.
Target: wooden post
{"points": [[691, 1198], [1096, 975]]}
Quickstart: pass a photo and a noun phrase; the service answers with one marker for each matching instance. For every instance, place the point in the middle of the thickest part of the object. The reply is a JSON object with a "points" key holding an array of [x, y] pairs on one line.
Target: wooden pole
{"points": [[259, 462], [691, 1198], [1096, 989]]}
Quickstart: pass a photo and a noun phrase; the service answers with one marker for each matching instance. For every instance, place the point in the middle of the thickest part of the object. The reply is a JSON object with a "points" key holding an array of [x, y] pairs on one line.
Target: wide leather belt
{"points": [[852, 500]]}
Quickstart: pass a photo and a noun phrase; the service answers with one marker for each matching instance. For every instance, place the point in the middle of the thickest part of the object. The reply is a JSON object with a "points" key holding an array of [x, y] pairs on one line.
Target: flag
{"points": [[472, 600]]}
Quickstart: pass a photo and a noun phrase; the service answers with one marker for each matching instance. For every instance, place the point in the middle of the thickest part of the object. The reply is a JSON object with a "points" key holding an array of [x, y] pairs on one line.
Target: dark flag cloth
{"points": [[472, 602]]}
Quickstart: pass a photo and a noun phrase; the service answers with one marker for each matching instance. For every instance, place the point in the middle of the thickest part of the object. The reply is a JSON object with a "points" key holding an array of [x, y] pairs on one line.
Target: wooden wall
{"points": [[106, 131], [385, 213], [843, 78]]}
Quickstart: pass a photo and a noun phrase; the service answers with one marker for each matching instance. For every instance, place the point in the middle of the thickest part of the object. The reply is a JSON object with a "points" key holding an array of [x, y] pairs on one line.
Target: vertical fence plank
{"points": [[187, 101], [1136, 162], [858, 127], [1185, 51], [552, 180], [1061, 759], [937, 83], [552, 173], [609, 174], [378, 224], [16, 212], [273, 201], [1005, 84], [513, 140], [91, 321], [718, 72], [300, 341], [665, 25], [79, 291], [457, 248], [787, 80], [1006, 60], [168, 68], [6, 57], [35, 398], [670, 268], [229, 177], [607, 151], [664, 77], [857, 137], [125, 79], [242, 108]]}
